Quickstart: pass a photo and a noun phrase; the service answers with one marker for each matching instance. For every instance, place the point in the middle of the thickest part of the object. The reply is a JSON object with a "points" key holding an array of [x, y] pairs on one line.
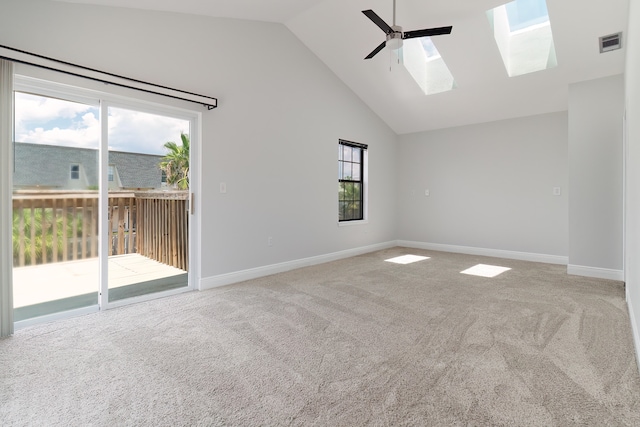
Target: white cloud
{"points": [[86, 138], [42, 120], [142, 132], [34, 108]]}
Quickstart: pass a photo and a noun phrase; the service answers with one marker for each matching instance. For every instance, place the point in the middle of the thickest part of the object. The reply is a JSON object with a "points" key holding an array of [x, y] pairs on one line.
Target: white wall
{"points": [[273, 139], [491, 186], [632, 193], [596, 109]]}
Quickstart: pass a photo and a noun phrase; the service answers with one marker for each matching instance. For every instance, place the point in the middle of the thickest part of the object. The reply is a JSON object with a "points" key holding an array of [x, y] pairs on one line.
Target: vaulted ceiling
{"points": [[341, 36]]}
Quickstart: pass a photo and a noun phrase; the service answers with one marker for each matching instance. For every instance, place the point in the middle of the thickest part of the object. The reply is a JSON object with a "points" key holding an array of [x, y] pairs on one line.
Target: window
{"points": [[427, 67], [351, 174], [522, 31], [75, 171], [58, 125], [163, 179]]}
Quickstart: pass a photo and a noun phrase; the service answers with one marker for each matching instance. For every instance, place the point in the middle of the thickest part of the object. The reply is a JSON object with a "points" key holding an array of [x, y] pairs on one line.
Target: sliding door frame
{"points": [[194, 119], [31, 80]]}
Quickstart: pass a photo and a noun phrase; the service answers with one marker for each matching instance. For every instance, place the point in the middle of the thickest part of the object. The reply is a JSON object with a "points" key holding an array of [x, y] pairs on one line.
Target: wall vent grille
{"points": [[610, 42]]}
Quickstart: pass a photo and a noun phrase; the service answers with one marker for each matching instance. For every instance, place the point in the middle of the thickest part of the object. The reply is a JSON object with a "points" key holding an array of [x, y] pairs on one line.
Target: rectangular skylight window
{"points": [[522, 30], [423, 61], [523, 14]]}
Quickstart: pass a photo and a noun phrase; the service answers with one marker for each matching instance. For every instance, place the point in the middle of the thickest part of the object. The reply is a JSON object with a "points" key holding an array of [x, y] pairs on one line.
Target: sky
{"points": [[523, 13], [43, 120]]}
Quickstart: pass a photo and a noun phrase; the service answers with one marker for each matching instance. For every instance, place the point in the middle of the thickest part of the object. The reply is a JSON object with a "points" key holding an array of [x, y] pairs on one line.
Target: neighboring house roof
{"points": [[50, 165], [137, 170]]}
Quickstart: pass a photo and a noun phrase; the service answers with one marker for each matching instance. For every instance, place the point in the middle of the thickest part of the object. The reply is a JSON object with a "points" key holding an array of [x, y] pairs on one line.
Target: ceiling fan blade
{"points": [[427, 32], [376, 50], [378, 21]]}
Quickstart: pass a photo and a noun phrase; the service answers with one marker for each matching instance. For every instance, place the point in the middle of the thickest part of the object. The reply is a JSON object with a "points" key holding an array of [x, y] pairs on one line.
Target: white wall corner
{"points": [[267, 270], [496, 253], [595, 272], [634, 328]]}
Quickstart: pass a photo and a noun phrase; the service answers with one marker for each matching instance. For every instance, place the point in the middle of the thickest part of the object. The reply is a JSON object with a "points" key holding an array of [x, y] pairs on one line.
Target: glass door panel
{"points": [[148, 178], [55, 206]]}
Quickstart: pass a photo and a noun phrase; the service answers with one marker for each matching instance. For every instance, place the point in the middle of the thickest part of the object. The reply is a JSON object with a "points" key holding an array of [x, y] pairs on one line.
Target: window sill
{"points": [[349, 223]]}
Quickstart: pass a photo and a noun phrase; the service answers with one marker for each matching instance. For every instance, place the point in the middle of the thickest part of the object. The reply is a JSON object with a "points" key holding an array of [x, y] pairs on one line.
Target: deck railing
{"points": [[162, 227], [51, 226]]}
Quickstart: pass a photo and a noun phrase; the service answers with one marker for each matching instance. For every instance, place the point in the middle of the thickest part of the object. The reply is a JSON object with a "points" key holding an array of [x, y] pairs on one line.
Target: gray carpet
{"points": [[354, 342]]}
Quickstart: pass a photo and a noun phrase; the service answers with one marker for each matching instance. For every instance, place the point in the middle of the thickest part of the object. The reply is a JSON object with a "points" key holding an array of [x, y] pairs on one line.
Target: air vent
{"points": [[610, 42]]}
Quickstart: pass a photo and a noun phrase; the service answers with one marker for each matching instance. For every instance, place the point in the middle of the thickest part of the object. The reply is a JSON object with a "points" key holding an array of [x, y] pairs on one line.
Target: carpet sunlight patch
{"points": [[484, 270], [406, 259]]}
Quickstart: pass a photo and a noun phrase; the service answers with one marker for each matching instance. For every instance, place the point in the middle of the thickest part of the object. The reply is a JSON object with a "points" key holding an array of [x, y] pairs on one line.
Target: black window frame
{"points": [[351, 207]]}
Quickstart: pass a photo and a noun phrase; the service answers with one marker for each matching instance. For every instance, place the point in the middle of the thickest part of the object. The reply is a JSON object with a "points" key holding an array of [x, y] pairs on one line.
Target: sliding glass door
{"points": [[100, 203], [55, 205], [148, 179]]}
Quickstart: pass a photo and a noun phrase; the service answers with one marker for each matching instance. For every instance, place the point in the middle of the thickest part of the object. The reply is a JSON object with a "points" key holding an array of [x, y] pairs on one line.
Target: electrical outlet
{"points": [[426, 193], [557, 191], [269, 241], [223, 187]]}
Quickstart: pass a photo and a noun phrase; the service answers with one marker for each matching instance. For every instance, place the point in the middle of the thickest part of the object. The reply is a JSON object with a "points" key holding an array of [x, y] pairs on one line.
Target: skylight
{"points": [[423, 61], [523, 14], [522, 30]]}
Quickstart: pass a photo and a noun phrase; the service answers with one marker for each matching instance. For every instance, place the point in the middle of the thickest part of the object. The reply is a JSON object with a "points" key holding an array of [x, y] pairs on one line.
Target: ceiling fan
{"points": [[394, 33]]}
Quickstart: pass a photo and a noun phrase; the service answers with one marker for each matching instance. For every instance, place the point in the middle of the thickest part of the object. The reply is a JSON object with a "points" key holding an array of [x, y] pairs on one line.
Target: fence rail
{"points": [[53, 227], [163, 227]]}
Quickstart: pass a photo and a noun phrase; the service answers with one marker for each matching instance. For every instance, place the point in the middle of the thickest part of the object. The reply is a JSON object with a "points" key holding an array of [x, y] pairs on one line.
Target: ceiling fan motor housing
{"points": [[394, 39]]}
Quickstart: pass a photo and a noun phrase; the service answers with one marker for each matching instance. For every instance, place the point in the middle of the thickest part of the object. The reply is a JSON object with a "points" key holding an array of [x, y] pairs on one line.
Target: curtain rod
{"points": [[210, 105]]}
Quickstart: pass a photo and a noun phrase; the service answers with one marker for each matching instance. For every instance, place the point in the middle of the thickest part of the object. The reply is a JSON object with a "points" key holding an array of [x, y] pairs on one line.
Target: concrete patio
{"points": [[50, 282]]}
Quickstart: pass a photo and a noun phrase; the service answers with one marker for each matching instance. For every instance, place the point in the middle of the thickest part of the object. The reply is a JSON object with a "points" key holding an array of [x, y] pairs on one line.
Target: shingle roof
{"points": [[49, 166], [137, 170]]}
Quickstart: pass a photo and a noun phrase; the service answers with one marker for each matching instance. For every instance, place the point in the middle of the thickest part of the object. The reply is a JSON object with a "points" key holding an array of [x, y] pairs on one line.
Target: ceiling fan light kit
{"points": [[394, 33], [394, 39]]}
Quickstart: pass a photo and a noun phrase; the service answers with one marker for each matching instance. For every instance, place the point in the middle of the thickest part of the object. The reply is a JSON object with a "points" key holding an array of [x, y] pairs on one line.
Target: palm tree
{"points": [[176, 163]]}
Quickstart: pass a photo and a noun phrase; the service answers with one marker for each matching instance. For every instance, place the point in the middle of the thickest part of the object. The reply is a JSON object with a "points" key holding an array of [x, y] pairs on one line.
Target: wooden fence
{"points": [[63, 226], [162, 230]]}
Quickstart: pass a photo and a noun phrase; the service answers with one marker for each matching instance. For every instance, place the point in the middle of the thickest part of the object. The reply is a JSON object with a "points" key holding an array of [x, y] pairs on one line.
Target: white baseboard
{"points": [[267, 270], [634, 328], [598, 273], [496, 253]]}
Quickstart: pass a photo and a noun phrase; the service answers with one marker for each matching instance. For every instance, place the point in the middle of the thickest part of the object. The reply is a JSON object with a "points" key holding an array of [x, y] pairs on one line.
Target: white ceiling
{"points": [[341, 36]]}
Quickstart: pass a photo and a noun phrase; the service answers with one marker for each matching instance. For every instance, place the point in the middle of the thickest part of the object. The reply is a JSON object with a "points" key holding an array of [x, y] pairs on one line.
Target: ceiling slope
{"points": [[340, 35]]}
